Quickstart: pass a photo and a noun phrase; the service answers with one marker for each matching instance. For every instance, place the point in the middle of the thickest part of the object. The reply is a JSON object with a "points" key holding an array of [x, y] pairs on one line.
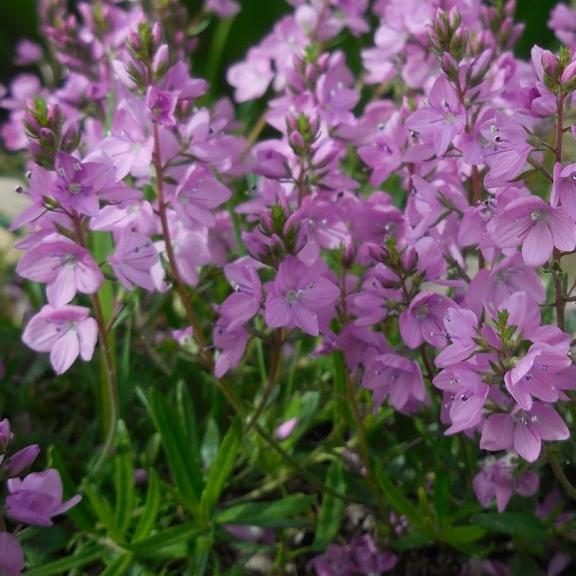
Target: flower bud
{"points": [[5, 434], [549, 63], [160, 61], [21, 460], [71, 138], [47, 139]]}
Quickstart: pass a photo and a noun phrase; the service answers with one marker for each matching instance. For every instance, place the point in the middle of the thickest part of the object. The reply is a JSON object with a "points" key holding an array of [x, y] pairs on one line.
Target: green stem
{"points": [[108, 380], [569, 488]]}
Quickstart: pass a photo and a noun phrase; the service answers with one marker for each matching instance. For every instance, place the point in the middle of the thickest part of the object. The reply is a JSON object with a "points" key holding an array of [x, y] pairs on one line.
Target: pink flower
{"points": [[11, 555], [443, 120], [197, 195], [461, 329], [251, 77], [36, 498], [231, 344], [161, 105], [133, 260], [467, 395], [245, 302], [506, 151], [66, 333], [66, 267], [564, 188], [296, 296], [492, 287], [535, 225], [423, 321], [497, 481], [538, 374], [523, 430], [394, 376], [78, 183], [129, 147]]}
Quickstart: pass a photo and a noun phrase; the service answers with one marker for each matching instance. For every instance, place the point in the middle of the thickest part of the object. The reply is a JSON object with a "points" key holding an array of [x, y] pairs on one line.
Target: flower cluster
{"points": [[33, 500], [415, 220]]}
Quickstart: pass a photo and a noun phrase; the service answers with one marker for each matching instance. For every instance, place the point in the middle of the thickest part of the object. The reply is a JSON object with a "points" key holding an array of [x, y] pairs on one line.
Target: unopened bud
{"points": [[71, 138]]}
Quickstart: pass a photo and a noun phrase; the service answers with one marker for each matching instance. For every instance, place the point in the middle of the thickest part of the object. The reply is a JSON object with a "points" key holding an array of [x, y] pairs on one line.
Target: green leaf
{"points": [[401, 503], [220, 470], [462, 534], [513, 523], [168, 539], [119, 565], [151, 507], [204, 544], [123, 480], [81, 558], [332, 508], [103, 511], [278, 514], [185, 470]]}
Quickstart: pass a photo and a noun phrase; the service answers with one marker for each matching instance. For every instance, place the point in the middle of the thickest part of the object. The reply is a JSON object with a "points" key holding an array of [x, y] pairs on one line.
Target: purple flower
{"points": [[222, 8], [78, 183], [423, 321], [245, 302], [21, 460], [161, 105], [537, 226], [461, 329], [197, 195], [523, 430], [66, 267], [396, 377], [564, 188], [251, 77], [536, 374], [443, 120], [506, 151], [497, 480], [231, 345], [492, 287], [133, 260], [11, 555], [467, 393], [66, 333], [297, 295], [129, 147], [37, 498]]}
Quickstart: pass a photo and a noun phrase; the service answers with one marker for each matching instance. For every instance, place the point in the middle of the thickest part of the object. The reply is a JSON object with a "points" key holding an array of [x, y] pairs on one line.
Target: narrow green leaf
{"points": [[185, 473], [278, 514], [399, 502], [513, 523], [82, 558], [204, 544], [119, 565], [332, 508], [103, 511], [220, 470], [123, 480], [153, 545], [151, 507]]}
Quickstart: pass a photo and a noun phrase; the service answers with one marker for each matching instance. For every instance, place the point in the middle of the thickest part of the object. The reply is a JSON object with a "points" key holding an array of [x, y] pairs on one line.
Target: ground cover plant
{"points": [[315, 319]]}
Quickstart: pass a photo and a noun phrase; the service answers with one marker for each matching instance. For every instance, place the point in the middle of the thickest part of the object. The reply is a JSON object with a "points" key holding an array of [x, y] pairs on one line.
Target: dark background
{"points": [[18, 20]]}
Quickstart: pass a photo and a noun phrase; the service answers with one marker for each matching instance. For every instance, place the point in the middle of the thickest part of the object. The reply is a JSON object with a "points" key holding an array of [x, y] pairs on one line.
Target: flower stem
{"points": [[108, 381], [363, 446], [205, 353], [569, 488]]}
